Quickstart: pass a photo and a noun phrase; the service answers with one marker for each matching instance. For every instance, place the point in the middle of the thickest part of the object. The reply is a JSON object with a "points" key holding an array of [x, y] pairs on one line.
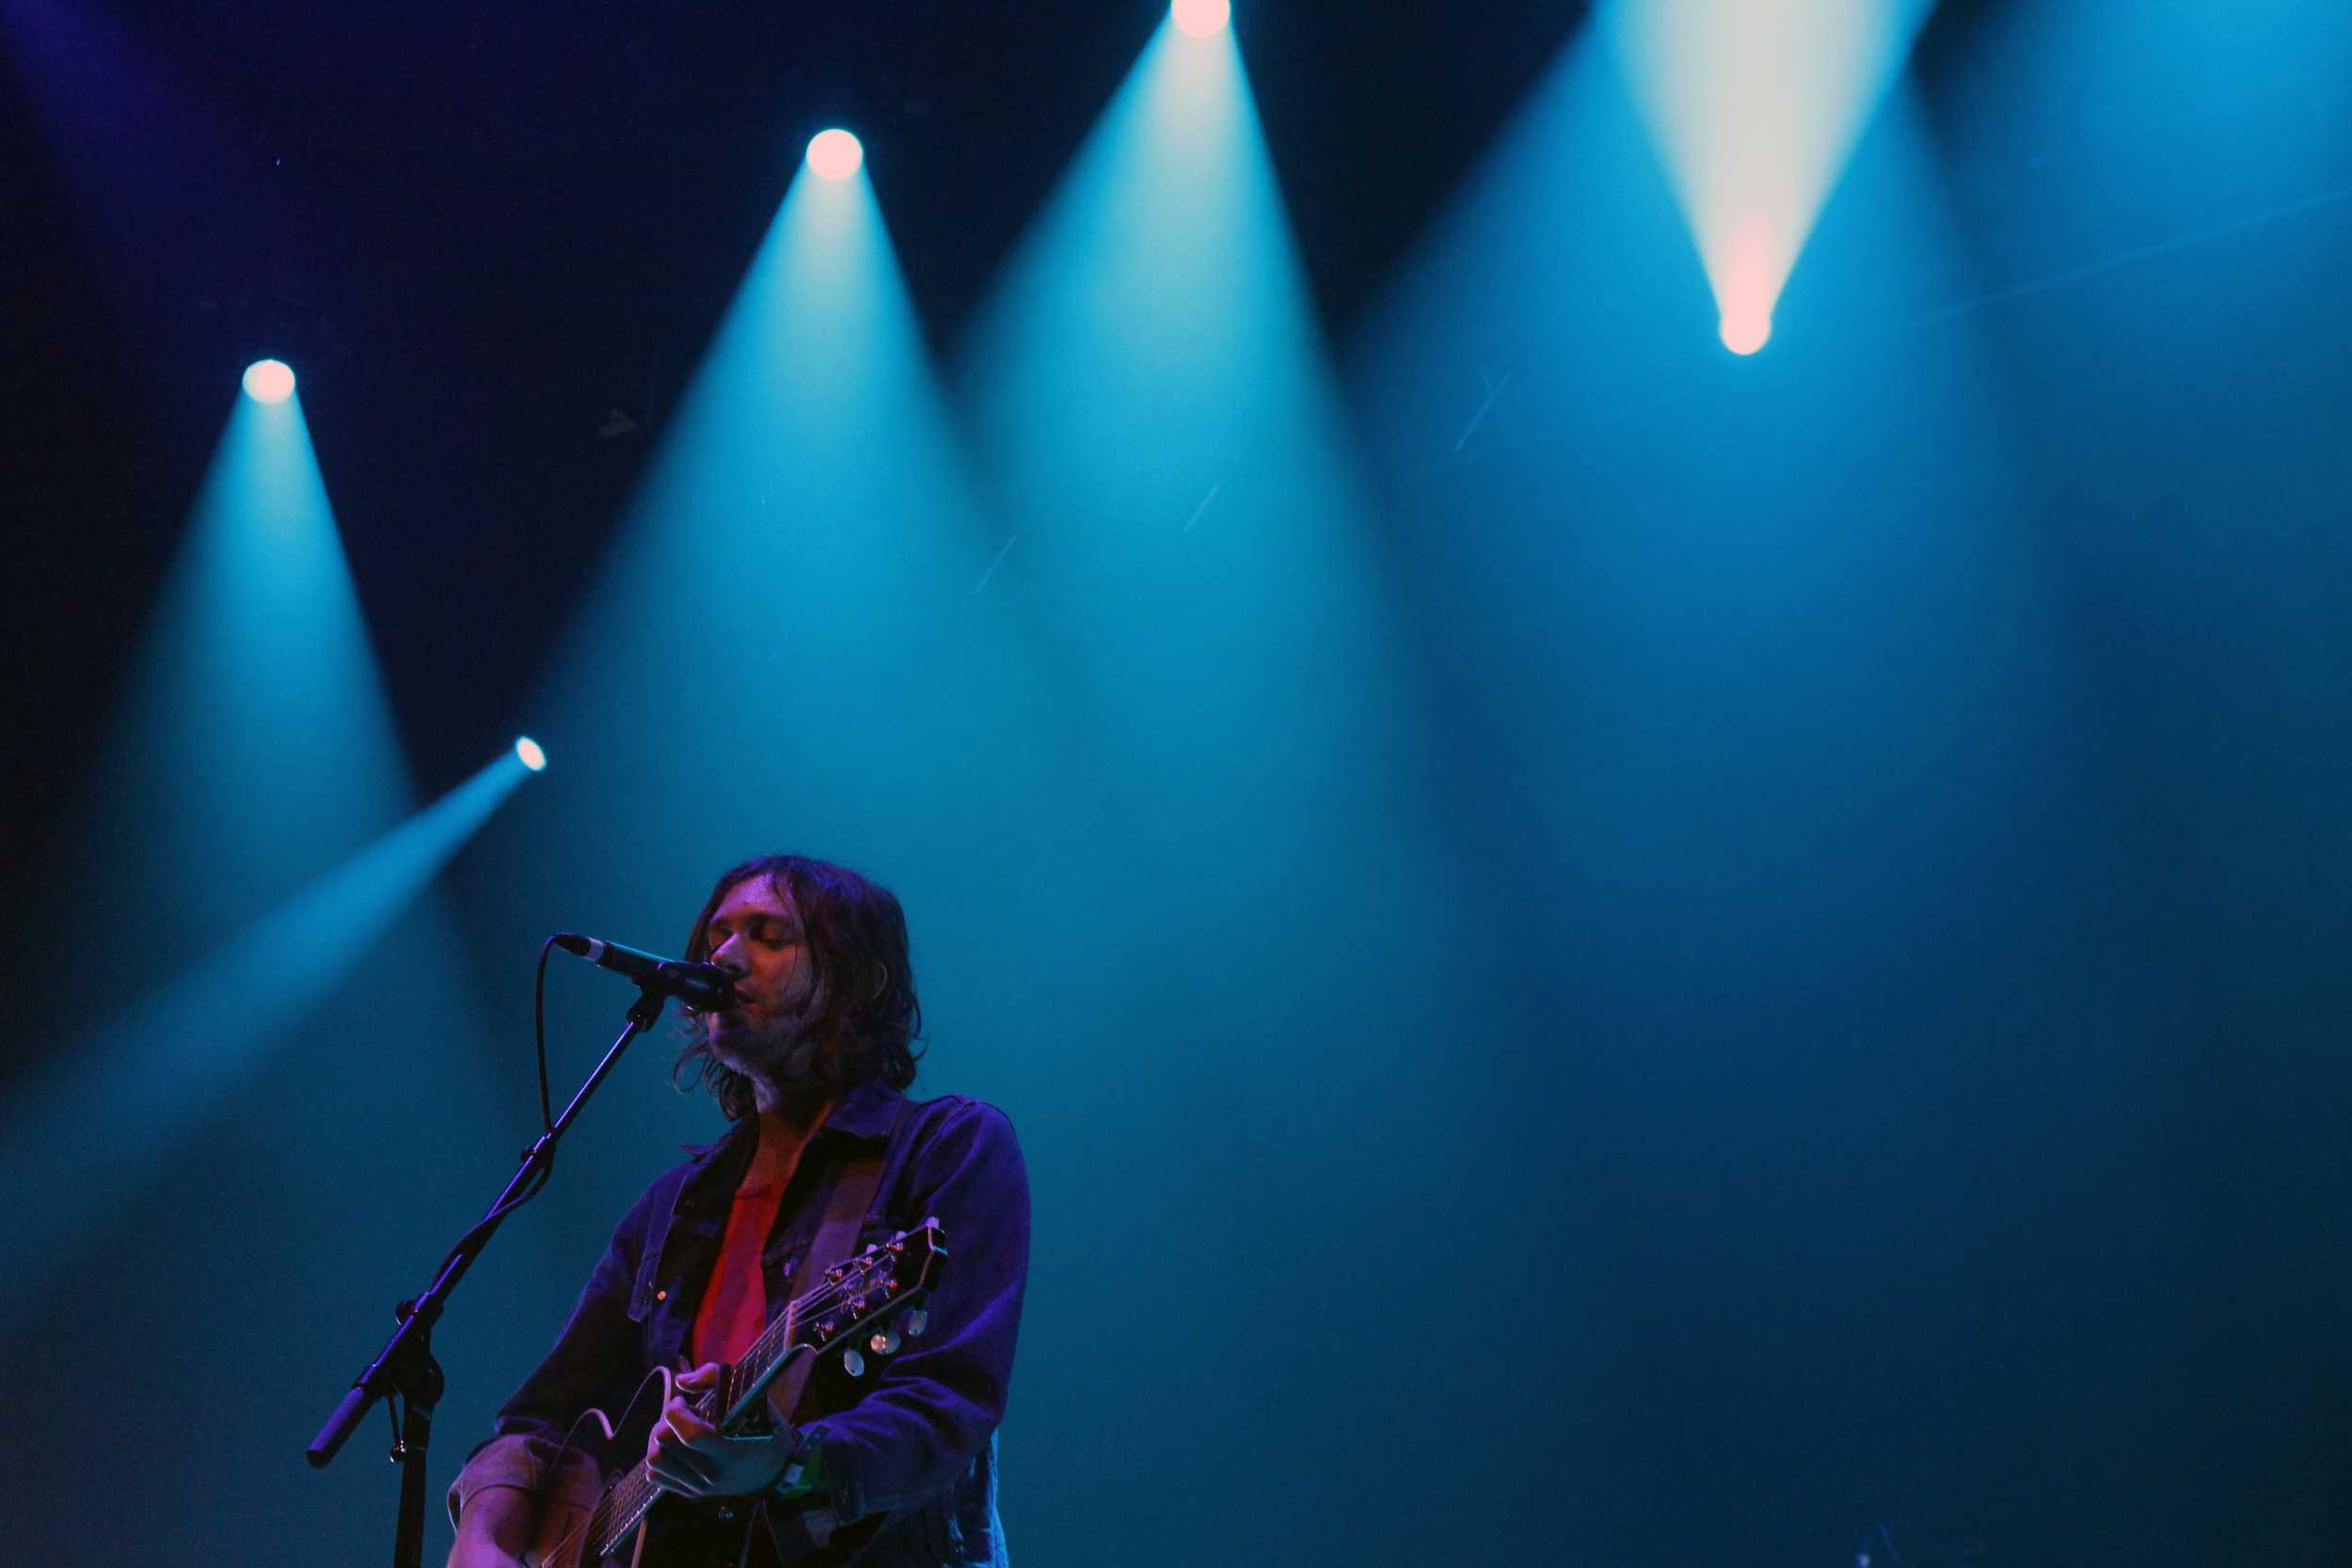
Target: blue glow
{"points": [[1754, 110], [1201, 18], [1123, 332], [1150, 388], [811, 460], [835, 154], [179, 1053], [532, 756], [268, 381], [252, 731]]}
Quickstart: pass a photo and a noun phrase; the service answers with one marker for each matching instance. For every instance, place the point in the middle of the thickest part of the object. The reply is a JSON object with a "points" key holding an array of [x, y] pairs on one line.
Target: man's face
{"points": [[756, 936]]}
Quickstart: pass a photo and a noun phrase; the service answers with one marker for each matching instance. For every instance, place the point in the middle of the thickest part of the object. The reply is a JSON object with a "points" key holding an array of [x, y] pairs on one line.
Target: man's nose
{"points": [[729, 956]]}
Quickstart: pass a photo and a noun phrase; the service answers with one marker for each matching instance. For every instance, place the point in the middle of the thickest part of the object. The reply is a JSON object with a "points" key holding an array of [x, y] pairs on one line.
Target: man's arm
{"points": [[933, 1405], [494, 1530]]}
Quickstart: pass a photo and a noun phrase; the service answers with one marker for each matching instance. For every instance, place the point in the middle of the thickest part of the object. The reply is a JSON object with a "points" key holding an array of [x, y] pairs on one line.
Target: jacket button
{"points": [[662, 1295]]}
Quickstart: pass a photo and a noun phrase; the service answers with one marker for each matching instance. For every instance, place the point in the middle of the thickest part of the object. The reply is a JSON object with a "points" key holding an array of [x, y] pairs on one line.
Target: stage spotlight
{"points": [[1201, 18], [533, 757], [1756, 110], [835, 154], [268, 381], [1745, 332]]}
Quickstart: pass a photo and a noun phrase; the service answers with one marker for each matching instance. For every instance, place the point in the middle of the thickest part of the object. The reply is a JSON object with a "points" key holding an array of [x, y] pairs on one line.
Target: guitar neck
{"points": [[748, 1379]]}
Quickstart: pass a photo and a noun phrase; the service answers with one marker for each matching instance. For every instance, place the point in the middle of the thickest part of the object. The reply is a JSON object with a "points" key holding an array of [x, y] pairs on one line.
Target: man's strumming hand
{"points": [[690, 1456]]}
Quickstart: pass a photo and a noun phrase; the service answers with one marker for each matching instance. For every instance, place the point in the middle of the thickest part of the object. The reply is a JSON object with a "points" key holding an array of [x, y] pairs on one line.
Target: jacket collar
{"points": [[863, 1114]]}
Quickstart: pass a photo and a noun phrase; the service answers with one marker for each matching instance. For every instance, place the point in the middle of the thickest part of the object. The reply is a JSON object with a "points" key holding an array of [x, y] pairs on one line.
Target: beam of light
{"points": [[784, 629], [1754, 106], [1493, 330], [835, 154], [1149, 369], [268, 381], [1154, 314], [251, 744], [529, 753], [1201, 18], [172, 1060], [1152, 399], [1614, 545]]}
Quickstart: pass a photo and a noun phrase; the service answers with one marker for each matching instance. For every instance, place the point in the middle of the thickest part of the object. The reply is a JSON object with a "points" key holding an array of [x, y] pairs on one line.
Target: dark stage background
{"points": [[1620, 955]]}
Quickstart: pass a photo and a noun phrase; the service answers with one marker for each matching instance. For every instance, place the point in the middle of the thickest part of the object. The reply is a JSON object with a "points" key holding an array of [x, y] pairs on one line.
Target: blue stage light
{"points": [[1201, 18], [268, 381], [1754, 110], [533, 757], [835, 154]]}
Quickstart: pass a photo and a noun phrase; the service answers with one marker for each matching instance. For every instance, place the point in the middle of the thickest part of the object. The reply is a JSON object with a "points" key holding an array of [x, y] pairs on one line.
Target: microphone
{"points": [[704, 988]]}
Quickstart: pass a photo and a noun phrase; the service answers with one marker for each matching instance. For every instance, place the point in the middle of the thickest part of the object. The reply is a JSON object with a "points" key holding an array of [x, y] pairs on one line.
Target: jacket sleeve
{"points": [[934, 1406]]}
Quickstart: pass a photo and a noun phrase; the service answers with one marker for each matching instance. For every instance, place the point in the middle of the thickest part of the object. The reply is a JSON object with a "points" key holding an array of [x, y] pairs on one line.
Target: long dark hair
{"points": [[868, 1019]]}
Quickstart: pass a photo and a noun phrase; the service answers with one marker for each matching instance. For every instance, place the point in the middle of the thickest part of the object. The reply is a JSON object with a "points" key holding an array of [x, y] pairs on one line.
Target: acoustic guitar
{"points": [[863, 1310]]}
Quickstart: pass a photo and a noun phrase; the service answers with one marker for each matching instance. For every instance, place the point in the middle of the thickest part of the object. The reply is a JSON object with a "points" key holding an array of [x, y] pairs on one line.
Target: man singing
{"points": [[810, 1068]]}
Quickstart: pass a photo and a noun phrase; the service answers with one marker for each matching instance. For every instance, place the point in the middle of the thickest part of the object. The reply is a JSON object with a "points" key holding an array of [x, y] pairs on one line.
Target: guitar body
{"points": [[679, 1533], [676, 1533]]}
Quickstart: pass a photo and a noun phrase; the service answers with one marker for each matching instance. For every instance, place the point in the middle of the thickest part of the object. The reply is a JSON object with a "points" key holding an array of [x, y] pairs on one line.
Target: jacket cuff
{"points": [[838, 1484], [804, 1472], [808, 1513]]}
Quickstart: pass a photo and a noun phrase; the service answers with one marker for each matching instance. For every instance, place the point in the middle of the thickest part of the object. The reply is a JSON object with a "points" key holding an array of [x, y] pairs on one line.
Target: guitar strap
{"points": [[837, 1236], [836, 1239]]}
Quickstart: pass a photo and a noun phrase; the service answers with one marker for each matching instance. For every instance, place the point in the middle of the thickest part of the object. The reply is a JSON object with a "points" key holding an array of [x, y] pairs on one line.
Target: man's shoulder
{"points": [[961, 1112], [957, 1157], [957, 1137], [877, 1111]]}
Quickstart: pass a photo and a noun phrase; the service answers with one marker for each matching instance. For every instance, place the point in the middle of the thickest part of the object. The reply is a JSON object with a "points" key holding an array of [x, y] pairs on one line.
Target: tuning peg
{"points": [[883, 1343], [852, 1363], [913, 1321]]}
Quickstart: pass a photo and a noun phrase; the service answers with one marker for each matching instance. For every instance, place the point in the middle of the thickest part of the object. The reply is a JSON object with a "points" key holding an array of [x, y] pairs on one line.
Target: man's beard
{"points": [[779, 1053]]}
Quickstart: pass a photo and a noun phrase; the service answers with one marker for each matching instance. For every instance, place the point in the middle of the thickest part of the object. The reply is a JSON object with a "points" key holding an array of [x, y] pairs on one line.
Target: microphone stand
{"points": [[405, 1368]]}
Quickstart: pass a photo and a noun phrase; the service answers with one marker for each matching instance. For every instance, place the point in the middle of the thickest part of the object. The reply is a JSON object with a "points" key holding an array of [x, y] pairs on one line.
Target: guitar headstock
{"points": [[887, 1281], [870, 1305]]}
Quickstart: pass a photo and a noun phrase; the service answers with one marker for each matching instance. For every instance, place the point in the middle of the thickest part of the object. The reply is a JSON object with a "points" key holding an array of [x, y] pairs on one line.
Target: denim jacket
{"points": [[914, 1438]]}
